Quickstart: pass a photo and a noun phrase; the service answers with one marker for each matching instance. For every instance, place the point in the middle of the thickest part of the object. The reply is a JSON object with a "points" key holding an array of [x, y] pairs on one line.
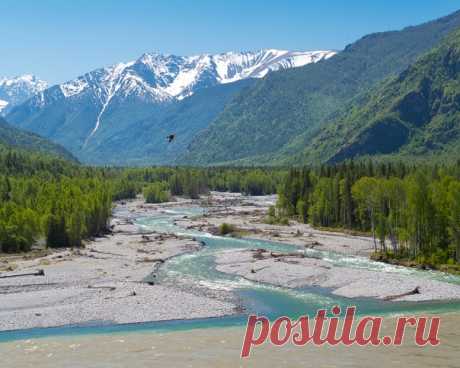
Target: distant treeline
{"points": [[159, 183], [412, 211], [62, 203]]}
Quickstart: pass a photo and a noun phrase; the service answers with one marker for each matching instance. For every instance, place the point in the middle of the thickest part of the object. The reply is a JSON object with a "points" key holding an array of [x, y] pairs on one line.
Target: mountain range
{"points": [[93, 114], [389, 94], [14, 91], [11, 137], [413, 115]]}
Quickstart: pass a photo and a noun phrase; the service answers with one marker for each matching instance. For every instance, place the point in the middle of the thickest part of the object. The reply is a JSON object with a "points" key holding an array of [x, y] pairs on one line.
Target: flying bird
{"points": [[171, 137]]}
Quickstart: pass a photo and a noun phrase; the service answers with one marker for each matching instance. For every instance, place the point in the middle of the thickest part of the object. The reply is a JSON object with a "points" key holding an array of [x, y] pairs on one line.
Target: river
{"points": [[217, 341]]}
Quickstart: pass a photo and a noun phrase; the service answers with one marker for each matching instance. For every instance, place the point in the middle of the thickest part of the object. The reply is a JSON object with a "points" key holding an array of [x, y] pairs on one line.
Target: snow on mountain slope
{"points": [[155, 79], [160, 77], [3, 104], [14, 91], [233, 67], [204, 70]]}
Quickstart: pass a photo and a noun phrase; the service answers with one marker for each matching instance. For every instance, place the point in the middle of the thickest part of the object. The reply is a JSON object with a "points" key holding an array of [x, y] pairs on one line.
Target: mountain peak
{"points": [[181, 76], [14, 91], [158, 77], [28, 79]]}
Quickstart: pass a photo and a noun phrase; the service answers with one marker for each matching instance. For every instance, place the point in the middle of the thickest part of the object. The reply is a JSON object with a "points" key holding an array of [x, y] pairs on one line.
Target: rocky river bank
{"points": [[112, 279]]}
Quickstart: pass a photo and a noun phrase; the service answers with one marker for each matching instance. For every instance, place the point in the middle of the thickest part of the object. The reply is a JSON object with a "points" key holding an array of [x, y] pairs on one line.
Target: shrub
{"points": [[156, 193], [225, 229]]}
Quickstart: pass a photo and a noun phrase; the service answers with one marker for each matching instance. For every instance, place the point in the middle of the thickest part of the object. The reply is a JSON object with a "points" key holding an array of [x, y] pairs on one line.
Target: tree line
{"points": [[411, 211], [61, 203], [192, 182]]}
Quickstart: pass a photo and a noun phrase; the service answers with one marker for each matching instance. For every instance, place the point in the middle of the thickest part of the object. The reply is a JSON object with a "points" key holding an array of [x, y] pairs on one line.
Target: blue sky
{"points": [[60, 39]]}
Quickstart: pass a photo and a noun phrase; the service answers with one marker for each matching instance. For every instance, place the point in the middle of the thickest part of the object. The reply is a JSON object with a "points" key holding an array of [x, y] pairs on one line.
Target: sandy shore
{"points": [[219, 347], [103, 282]]}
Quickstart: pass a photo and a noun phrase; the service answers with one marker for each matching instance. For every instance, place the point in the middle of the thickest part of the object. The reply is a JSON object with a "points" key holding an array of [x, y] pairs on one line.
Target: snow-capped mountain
{"points": [[158, 77], [14, 91], [99, 109], [179, 77]]}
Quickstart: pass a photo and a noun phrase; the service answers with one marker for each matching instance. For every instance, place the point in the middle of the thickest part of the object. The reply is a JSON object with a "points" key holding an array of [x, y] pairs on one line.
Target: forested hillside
{"points": [[416, 114], [277, 116], [11, 136], [146, 143]]}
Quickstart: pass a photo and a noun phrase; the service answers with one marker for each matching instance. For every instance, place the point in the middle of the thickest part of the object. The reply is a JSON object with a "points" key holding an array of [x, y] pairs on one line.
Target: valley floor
{"points": [[104, 282]]}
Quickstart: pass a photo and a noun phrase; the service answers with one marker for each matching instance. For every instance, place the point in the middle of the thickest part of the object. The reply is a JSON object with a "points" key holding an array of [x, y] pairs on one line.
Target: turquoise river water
{"points": [[199, 268]]}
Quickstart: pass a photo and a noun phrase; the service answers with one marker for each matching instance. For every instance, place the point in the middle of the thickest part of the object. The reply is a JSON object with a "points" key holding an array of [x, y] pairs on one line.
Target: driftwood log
{"points": [[279, 255], [412, 292], [111, 288], [37, 273]]}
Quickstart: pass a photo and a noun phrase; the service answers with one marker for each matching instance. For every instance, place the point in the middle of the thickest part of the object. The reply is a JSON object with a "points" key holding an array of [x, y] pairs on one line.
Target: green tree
{"points": [[454, 216]]}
